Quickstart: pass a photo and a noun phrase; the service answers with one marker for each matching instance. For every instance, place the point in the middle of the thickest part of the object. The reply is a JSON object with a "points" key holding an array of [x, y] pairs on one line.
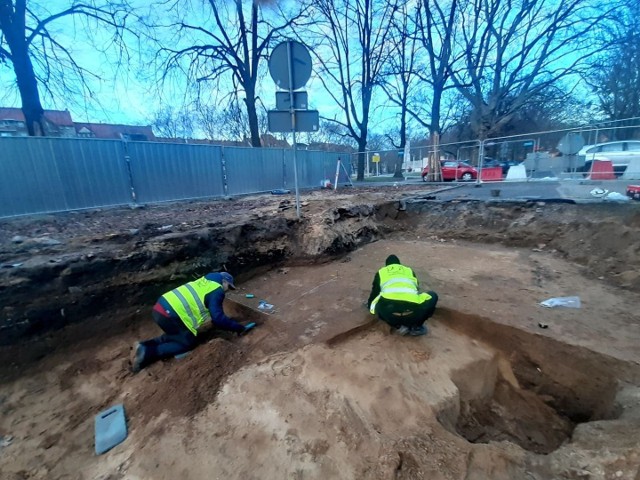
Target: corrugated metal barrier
{"points": [[40, 175], [46, 175], [170, 171]]}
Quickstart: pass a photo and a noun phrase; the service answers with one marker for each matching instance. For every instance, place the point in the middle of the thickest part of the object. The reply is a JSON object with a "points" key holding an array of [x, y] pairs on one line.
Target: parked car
{"points": [[620, 153], [489, 162], [454, 171]]}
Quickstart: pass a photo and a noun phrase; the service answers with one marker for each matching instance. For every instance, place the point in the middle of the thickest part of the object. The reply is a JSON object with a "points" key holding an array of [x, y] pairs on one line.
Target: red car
{"points": [[454, 171]]}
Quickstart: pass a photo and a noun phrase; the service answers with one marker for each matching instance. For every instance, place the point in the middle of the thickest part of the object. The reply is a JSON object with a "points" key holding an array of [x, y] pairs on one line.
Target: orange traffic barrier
{"points": [[633, 191], [601, 170], [491, 174]]}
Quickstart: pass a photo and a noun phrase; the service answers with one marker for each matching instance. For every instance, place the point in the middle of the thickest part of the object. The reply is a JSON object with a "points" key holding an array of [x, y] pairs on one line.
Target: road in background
{"points": [[577, 190]]}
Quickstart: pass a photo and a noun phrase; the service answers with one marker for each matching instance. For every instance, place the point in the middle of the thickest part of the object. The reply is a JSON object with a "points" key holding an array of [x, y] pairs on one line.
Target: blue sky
{"points": [[130, 95]]}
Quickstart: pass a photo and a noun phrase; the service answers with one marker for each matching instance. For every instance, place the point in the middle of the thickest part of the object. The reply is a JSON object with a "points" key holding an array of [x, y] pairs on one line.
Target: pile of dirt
{"points": [[193, 383]]}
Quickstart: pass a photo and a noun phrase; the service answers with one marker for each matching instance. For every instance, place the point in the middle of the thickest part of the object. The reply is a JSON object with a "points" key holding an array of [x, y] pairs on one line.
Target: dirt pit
{"points": [[320, 389]]}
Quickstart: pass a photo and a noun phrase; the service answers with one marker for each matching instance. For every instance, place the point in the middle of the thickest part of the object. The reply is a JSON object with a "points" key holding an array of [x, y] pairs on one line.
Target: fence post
{"points": [[223, 166], [127, 159], [480, 161], [284, 168]]}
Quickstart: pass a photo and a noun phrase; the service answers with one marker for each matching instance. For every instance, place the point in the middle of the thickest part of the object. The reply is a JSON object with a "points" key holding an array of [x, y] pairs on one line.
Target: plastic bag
{"points": [[569, 302], [599, 192], [616, 197], [264, 305]]}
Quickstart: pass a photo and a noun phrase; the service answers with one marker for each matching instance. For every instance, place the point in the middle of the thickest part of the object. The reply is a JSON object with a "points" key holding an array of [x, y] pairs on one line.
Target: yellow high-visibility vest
{"points": [[397, 282], [188, 302]]}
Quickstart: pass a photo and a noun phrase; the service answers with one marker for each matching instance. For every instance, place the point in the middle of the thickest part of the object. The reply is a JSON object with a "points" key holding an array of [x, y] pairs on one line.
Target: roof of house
{"points": [[269, 140], [106, 130], [62, 118], [204, 141]]}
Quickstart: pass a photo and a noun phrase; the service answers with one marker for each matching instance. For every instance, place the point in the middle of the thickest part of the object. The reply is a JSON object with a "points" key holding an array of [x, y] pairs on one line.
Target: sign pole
{"points": [[294, 117], [293, 127], [367, 165]]}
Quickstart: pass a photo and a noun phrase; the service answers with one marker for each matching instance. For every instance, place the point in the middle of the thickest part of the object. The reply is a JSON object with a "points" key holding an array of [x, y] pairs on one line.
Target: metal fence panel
{"points": [[287, 169], [172, 171], [301, 165], [329, 162], [251, 170], [42, 175], [314, 167]]}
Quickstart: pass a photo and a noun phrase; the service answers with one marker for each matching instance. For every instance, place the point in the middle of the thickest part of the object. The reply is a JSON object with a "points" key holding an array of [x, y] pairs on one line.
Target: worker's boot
{"points": [[402, 330], [417, 331], [138, 358]]}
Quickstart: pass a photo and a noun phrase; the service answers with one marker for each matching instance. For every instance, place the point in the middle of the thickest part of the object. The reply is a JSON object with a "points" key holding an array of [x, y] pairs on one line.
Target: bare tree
{"points": [[351, 48], [333, 134], [225, 45], [436, 28], [400, 78], [437, 22], [169, 122], [41, 59], [228, 122], [614, 75], [514, 50]]}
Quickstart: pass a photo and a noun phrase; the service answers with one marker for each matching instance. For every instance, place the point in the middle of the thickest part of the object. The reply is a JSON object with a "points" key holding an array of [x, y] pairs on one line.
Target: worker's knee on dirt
{"points": [[189, 340]]}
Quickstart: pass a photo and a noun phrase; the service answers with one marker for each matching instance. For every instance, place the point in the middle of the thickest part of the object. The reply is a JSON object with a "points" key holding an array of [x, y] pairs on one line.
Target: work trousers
{"points": [[398, 313], [177, 339]]}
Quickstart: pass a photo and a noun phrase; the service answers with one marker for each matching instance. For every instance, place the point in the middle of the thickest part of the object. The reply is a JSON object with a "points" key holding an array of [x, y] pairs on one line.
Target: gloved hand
{"points": [[247, 327]]}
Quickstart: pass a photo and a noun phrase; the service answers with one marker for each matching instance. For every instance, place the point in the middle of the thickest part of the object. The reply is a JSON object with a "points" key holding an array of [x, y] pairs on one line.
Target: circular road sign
{"points": [[571, 143], [290, 55]]}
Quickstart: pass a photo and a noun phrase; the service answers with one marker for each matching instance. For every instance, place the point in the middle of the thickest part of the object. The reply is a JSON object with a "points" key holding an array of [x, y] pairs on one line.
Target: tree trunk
{"points": [[397, 173], [26, 78], [252, 115], [362, 157]]}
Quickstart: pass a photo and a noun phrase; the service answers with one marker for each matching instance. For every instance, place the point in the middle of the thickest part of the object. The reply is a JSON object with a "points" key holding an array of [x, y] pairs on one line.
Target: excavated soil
{"points": [[320, 389]]}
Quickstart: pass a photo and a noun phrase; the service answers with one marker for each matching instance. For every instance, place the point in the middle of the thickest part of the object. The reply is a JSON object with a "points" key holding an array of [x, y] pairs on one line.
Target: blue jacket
{"points": [[213, 301]]}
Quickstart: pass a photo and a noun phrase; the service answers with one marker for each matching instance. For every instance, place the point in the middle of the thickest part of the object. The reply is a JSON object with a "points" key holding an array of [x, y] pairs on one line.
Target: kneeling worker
{"points": [[395, 299], [180, 312]]}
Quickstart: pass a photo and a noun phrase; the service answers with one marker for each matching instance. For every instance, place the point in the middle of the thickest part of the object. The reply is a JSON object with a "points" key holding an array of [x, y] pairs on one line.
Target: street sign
{"points": [[290, 65], [283, 101], [571, 143], [375, 158], [528, 144], [290, 68], [306, 121]]}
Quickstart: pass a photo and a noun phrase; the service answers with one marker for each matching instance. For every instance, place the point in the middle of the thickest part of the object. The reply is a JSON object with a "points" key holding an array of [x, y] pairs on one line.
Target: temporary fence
{"points": [[47, 174], [558, 154]]}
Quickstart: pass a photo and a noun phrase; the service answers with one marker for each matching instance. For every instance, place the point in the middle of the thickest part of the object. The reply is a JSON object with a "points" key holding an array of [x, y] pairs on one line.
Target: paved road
{"points": [[578, 190]]}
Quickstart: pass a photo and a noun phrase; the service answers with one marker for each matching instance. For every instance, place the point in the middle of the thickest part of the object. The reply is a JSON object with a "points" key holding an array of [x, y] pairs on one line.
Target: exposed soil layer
{"points": [[321, 389], [600, 237]]}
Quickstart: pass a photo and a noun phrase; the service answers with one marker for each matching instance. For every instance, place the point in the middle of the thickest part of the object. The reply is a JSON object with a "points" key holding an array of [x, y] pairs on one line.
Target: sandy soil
{"points": [[322, 390]]}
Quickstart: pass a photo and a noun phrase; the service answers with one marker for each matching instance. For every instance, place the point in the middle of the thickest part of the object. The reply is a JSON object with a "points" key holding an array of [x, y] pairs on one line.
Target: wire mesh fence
{"points": [[604, 151]]}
